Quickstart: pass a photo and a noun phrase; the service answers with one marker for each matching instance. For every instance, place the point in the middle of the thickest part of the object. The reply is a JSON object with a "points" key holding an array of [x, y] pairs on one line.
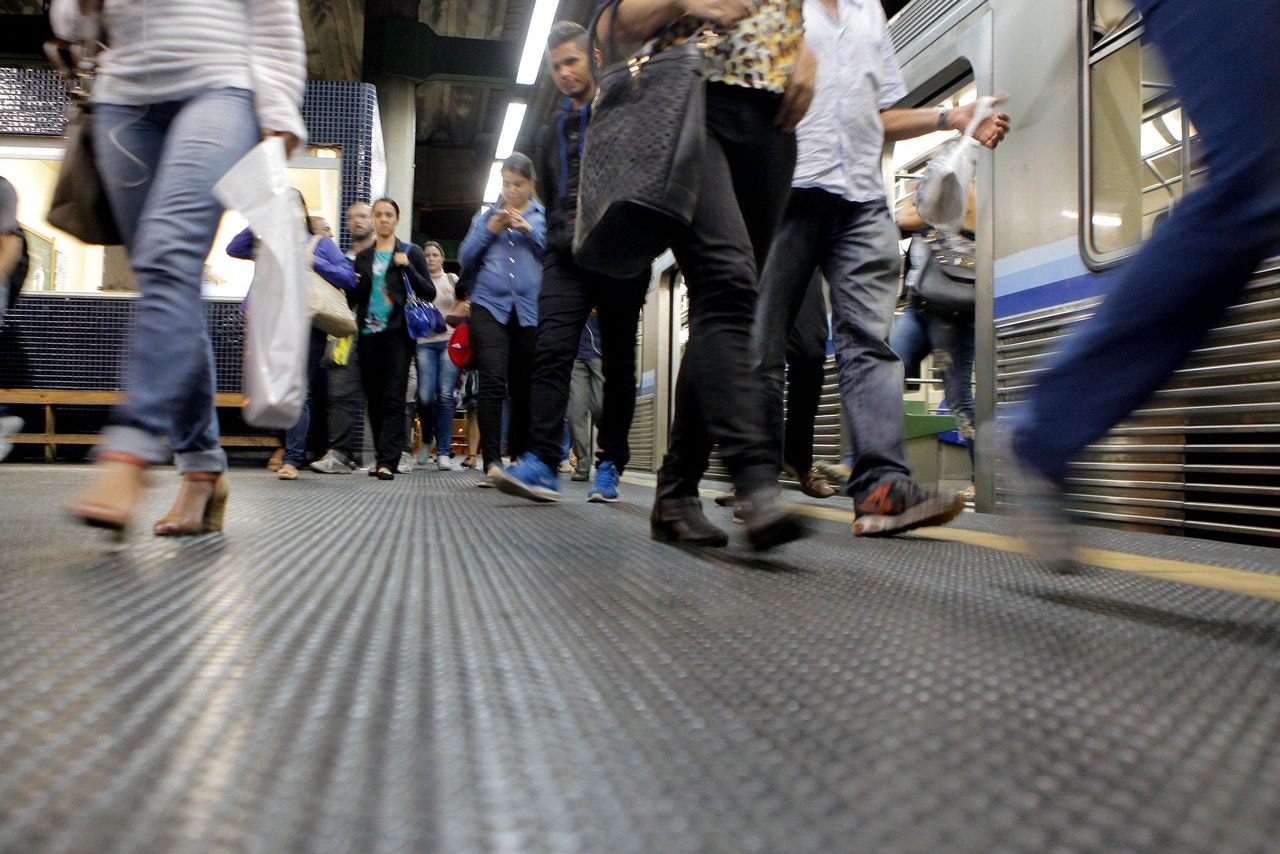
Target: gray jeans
{"points": [[586, 404]]}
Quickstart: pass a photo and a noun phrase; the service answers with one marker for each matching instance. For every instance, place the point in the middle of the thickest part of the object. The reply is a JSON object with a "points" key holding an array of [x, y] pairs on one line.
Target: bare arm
{"points": [[10, 249], [639, 19], [913, 122]]}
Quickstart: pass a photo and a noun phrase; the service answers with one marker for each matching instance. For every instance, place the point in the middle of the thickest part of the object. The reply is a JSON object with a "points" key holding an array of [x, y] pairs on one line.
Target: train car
{"points": [[1098, 153]]}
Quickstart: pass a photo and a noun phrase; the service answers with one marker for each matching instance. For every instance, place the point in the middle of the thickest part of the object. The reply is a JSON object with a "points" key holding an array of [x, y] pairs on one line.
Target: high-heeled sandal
{"points": [[114, 494], [209, 487]]}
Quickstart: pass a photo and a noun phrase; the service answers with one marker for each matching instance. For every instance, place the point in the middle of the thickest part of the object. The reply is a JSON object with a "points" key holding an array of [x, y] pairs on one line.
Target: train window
{"points": [[1142, 155]]}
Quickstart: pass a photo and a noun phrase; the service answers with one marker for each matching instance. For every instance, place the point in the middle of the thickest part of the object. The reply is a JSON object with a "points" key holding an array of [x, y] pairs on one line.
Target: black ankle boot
{"points": [[768, 523], [680, 520]]}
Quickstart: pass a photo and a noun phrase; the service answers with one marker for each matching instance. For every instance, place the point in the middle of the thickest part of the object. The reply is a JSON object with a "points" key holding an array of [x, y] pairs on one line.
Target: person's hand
{"points": [[722, 13], [290, 140], [499, 221], [799, 91], [992, 129], [518, 222], [400, 259]]}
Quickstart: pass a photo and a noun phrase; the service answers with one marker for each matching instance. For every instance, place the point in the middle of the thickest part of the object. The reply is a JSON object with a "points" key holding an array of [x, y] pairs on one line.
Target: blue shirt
{"points": [[841, 139], [509, 263]]}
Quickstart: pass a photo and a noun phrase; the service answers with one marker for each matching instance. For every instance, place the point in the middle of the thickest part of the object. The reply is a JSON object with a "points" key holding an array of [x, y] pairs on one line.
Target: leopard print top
{"points": [[758, 53]]}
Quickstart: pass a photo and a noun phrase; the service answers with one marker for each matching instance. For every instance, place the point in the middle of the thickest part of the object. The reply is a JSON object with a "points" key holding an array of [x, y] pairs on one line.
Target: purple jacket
{"points": [[328, 259]]}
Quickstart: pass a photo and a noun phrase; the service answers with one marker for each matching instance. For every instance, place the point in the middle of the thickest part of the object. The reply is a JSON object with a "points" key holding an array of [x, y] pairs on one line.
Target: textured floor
{"points": [[425, 666]]}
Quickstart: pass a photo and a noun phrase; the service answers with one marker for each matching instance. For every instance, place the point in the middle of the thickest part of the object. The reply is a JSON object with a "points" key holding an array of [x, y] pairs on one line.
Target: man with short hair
{"points": [[568, 295], [346, 394]]}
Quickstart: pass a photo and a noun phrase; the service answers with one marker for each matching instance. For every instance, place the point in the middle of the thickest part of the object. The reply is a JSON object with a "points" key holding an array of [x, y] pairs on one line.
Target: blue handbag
{"points": [[421, 318]]}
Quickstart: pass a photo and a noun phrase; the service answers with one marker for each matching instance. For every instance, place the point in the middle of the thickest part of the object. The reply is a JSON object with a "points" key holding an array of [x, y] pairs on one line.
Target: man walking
{"points": [[567, 297]]}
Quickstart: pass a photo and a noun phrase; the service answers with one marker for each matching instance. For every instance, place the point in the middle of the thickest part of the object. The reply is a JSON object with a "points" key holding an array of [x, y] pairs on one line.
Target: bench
{"points": [[50, 398]]}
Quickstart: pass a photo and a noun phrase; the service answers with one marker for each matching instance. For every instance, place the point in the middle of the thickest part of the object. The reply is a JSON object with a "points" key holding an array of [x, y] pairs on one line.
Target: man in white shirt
{"points": [[837, 220]]}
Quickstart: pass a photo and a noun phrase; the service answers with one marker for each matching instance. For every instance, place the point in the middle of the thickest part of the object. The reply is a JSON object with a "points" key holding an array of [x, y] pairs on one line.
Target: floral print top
{"points": [[758, 53]]}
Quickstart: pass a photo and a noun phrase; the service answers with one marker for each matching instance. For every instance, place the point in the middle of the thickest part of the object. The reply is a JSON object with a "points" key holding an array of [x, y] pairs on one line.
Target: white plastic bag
{"points": [[277, 329], [942, 197]]}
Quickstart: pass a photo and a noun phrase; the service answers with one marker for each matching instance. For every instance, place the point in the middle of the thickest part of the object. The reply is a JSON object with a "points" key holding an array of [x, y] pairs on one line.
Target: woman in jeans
{"points": [[186, 89], [759, 83], [505, 244], [437, 375], [385, 270]]}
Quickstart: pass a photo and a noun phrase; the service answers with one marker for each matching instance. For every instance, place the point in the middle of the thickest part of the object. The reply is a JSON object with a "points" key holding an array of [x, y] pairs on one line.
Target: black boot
{"points": [[680, 520], [767, 522]]}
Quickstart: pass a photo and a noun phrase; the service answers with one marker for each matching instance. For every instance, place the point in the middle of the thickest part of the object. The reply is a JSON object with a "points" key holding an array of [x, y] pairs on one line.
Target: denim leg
{"points": [[1162, 302], [159, 163], [295, 438], [563, 306], [910, 339], [446, 380], [426, 361], [788, 274], [861, 266]]}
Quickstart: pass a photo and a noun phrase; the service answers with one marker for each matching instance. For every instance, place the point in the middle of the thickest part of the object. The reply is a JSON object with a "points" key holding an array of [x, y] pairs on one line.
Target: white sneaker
{"points": [[443, 463], [406, 463]]}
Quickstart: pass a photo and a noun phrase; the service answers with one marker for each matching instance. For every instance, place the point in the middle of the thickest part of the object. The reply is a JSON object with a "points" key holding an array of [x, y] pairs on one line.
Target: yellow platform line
{"points": [[1199, 574]]}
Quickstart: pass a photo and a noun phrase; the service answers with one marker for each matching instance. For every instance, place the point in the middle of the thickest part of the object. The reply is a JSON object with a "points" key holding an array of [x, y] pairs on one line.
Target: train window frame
{"points": [[1164, 145]]}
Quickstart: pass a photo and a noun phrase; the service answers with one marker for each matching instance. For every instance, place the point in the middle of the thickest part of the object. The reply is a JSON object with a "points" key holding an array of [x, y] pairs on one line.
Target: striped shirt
{"points": [[169, 50]]}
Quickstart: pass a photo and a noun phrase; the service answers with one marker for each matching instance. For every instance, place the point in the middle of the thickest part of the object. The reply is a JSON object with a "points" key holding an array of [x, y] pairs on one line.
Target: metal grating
{"points": [[1201, 456]]}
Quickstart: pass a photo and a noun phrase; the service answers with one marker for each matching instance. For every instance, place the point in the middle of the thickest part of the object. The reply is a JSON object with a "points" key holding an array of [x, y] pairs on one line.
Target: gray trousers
{"points": [[586, 404]]}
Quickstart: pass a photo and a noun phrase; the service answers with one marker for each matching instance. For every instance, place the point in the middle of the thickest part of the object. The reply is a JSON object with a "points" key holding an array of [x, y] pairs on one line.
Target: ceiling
{"points": [[462, 89]]}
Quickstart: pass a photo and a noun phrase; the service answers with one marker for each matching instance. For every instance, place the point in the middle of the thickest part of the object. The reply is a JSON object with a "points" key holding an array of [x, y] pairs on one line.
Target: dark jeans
{"points": [[384, 371], [503, 354], [855, 244], [566, 299], [746, 172], [806, 369], [1161, 303]]}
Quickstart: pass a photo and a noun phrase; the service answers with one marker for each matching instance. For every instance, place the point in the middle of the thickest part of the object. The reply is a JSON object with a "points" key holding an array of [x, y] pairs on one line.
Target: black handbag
{"points": [[945, 281], [642, 157], [79, 205]]}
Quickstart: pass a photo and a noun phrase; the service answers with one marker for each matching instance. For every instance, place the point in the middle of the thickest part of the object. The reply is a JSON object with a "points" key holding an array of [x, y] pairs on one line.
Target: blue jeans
{"points": [[919, 332], [855, 245], [1161, 303], [437, 375], [295, 438], [159, 163]]}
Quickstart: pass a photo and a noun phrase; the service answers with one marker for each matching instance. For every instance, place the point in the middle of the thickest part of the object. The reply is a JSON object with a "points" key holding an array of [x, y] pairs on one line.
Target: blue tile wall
{"points": [[78, 342]]}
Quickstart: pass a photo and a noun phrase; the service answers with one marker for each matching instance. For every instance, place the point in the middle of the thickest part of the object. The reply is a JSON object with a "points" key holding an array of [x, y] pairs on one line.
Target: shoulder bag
{"points": [[642, 156], [421, 318], [79, 205], [329, 310], [945, 284]]}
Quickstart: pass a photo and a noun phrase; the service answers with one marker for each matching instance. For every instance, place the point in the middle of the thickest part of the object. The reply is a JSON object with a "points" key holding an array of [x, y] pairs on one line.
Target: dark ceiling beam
{"points": [[413, 50]]}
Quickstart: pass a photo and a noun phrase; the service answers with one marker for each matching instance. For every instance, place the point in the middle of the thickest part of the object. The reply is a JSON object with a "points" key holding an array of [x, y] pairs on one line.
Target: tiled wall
{"points": [[77, 342]]}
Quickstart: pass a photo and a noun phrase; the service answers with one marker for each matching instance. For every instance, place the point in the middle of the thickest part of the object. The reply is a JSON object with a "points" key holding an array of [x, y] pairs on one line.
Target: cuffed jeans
{"points": [[1162, 302], [159, 163], [437, 376], [746, 171], [565, 301], [855, 245]]}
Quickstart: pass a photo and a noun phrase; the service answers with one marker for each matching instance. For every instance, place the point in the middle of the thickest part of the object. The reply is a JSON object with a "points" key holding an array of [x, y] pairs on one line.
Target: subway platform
{"points": [[424, 666]]}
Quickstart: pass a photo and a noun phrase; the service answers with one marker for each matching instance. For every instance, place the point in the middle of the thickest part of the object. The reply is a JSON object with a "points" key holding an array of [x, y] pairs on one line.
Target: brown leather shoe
{"points": [[815, 485]]}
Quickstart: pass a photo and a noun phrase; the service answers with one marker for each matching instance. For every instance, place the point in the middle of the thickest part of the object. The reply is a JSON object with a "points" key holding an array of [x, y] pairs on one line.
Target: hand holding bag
{"points": [[79, 205], [642, 157], [328, 305], [942, 196]]}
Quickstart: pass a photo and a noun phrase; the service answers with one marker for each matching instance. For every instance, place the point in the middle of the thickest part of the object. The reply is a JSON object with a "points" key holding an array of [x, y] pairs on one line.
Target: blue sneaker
{"points": [[528, 478], [605, 489]]}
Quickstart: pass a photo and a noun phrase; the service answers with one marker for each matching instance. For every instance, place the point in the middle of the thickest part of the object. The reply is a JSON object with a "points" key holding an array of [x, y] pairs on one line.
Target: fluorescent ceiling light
{"points": [[535, 43], [494, 188], [510, 129]]}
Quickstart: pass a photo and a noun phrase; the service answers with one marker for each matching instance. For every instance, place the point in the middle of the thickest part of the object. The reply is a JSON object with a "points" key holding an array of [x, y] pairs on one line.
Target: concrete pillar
{"points": [[397, 108]]}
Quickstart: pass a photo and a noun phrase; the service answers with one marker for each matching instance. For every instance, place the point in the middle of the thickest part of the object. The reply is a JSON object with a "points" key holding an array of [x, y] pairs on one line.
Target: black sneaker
{"points": [[897, 504]]}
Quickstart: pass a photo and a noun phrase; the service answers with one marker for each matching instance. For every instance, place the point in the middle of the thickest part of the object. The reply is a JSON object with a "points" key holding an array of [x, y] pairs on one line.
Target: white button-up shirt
{"points": [[841, 138]]}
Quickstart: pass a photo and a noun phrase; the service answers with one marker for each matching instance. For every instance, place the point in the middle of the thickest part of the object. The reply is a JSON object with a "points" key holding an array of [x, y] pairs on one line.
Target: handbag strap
{"points": [[706, 37]]}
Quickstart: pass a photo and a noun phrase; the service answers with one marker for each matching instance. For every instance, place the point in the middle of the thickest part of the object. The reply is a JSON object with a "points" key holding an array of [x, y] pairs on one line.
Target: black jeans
{"points": [[503, 354], [746, 174], [346, 406], [384, 372], [566, 299]]}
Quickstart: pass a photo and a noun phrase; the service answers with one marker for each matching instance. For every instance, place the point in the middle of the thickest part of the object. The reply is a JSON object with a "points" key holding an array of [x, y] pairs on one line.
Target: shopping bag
{"points": [[278, 326], [942, 197]]}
